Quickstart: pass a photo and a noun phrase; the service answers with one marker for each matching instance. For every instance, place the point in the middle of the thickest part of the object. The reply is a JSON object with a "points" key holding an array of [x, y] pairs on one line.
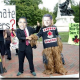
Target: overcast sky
{"points": [[50, 4]]}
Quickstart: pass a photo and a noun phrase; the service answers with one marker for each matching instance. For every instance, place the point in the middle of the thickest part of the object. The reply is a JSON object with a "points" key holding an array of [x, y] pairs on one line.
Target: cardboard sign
{"points": [[8, 17], [74, 33]]}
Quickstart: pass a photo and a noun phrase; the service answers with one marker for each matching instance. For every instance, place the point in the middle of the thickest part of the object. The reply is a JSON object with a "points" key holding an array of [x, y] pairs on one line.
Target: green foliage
{"points": [[76, 10], [55, 12], [29, 9]]}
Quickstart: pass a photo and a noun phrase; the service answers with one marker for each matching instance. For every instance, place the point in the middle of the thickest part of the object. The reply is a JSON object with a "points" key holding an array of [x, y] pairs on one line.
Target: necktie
{"points": [[27, 43]]}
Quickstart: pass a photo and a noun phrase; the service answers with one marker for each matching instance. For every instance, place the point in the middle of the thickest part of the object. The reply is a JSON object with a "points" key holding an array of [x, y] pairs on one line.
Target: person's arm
{"points": [[39, 34], [14, 34], [56, 32], [20, 37], [38, 27], [36, 30]]}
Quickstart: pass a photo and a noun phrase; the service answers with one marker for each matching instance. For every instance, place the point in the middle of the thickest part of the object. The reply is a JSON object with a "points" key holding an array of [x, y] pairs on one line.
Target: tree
{"points": [[26, 8], [45, 11], [30, 10], [55, 12], [76, 14]]}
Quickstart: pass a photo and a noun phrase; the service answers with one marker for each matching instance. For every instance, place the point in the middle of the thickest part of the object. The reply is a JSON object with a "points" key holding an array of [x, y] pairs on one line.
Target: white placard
{"points": [[7, 17]]}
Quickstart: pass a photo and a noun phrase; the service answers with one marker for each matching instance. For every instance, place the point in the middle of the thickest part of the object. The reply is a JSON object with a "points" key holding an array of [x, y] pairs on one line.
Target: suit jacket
{"points": [[22, 38]]}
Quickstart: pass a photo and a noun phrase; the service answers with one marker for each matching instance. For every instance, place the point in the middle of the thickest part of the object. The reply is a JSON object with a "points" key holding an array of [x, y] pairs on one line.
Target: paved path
{"points": [[71, 55]]}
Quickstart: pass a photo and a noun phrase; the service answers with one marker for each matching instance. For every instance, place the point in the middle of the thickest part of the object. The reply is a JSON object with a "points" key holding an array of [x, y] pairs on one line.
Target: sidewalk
{"points": [[71, 56]]}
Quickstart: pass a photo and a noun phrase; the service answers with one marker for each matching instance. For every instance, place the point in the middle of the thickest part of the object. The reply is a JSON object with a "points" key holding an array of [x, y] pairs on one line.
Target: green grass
{"points": [[64, 36]]}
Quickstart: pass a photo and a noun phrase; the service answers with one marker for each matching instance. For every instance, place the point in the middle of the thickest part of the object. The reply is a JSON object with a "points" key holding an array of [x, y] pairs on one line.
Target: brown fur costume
{"points": [[34, 39], [53, 55]]}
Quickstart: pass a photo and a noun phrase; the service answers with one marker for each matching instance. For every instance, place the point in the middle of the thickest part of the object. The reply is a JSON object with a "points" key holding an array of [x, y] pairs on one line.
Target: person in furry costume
{"points": [[52, 46]]}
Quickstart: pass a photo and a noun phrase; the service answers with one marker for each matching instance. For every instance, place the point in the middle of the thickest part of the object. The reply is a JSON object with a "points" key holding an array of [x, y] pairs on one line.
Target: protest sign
{"points": [[7, 17], [74, 33]]}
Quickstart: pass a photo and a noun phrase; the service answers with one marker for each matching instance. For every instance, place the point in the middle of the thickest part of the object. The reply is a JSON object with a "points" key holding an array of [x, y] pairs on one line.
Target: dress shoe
{"points": [[33, 73], [9, 58], [19, 73]]}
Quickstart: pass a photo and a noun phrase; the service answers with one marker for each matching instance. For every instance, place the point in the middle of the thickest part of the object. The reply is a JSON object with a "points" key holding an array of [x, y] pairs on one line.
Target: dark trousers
{"points": [[63, 61], [16, 51], [7, 45], [29, 55]]}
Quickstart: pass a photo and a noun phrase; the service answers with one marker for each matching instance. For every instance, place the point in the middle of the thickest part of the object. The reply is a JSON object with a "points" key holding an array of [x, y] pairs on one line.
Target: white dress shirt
{"points": [[27, 33]]}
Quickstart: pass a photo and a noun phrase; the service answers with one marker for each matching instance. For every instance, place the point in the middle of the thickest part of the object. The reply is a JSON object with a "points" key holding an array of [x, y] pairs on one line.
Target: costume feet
{"points": [[63, 71], [48, 72]]}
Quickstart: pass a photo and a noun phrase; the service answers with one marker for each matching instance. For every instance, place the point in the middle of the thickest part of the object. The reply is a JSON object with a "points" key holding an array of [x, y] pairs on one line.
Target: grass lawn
{"points": [[64, 36]]}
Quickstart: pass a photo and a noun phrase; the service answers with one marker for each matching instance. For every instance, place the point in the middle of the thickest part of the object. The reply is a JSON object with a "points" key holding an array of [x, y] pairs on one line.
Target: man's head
{"points": [[22, 23], [47, 20]]}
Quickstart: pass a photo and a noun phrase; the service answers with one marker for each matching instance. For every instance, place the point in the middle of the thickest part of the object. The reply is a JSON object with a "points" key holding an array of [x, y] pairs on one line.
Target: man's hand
{"points": [[38, 24], [29, 38]]}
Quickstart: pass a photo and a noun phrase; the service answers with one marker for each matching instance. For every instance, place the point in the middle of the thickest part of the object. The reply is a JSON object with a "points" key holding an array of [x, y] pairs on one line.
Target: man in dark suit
{"points": [[25, 48]]}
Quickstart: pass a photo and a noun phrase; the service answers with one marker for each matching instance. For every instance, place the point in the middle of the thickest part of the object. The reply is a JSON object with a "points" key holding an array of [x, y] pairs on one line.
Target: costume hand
{"points": [[38, 24]]}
